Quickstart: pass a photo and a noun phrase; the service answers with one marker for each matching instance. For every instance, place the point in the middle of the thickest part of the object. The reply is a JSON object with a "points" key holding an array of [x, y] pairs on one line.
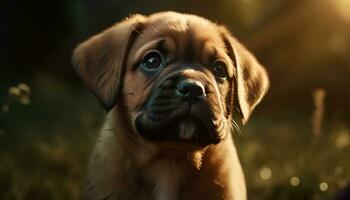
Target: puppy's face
{"points": [[175, 75], [185, 78]]}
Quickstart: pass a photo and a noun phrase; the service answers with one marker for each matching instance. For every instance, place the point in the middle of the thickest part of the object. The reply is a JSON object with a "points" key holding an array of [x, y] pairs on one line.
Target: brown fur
{"points": [[124, 165]]}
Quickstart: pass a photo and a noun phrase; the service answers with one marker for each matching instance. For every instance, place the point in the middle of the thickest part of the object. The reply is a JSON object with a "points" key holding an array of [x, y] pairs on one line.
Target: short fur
{"points": [[124, 164]]}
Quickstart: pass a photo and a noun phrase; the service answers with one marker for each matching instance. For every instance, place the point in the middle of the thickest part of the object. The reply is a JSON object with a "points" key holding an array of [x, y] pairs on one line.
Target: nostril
{"points": [[190, 88], [183, 91], [198, 91]]}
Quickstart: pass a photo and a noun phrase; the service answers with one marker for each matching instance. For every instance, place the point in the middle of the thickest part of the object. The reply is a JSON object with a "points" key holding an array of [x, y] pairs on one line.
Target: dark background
{"points": [[48, 118]]}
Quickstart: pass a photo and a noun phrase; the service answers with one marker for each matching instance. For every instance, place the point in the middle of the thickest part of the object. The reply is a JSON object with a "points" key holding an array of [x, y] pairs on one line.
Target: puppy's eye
{"points": [[152, 61], [219, 70]]}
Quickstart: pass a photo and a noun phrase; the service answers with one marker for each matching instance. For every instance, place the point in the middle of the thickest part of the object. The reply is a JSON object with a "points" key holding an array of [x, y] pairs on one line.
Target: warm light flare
{"points": [[343, 7]]}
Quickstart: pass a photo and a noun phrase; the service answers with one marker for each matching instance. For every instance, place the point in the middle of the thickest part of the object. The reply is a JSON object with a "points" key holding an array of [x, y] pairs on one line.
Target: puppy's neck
{"points": [[166, 169], [166, 176]]}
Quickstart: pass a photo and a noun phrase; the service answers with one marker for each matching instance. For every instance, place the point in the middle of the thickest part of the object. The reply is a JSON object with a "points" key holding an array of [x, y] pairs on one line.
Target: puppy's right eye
{"points": [[152, 61], [219, 70]]}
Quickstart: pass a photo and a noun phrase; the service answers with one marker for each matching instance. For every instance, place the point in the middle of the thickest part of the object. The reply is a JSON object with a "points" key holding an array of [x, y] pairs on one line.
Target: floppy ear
{"points": [[252, 81], [101, 59]]}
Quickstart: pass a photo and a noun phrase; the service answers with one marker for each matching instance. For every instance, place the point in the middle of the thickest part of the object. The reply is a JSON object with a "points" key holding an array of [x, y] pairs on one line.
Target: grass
{"points": [[289, 150]]}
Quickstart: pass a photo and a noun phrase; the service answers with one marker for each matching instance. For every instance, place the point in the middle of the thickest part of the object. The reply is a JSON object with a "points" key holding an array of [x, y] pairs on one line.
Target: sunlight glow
{"points": [[343, 7]]}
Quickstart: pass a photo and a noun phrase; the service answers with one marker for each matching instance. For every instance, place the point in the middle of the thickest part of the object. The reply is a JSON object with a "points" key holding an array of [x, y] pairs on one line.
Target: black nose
{"points": [[190, 89]]}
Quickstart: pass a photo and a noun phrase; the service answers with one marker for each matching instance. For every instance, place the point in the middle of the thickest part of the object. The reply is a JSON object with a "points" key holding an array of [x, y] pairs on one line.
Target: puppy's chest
{"points": [[167, 177]]}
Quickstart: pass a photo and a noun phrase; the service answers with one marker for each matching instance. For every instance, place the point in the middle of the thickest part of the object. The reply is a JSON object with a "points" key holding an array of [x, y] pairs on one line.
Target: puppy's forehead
{"points": [[194, 31], [179, 23]]}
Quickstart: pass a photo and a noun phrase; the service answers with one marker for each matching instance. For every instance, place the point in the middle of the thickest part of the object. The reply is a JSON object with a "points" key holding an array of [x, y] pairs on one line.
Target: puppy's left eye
{"points": [[152, 61], [219, 69]]}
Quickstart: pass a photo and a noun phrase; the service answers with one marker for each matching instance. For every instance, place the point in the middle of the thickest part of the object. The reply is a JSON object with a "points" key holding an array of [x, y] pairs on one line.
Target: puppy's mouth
{"points": [[168, 118]]}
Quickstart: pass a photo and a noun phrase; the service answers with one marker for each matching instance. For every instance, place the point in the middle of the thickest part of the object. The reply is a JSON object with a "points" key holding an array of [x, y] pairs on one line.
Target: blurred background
{"points": [[296, 145]]}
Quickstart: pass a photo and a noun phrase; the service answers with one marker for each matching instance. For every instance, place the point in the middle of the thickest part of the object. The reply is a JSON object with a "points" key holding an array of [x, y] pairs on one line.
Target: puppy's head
{"points": [[175, 75]]}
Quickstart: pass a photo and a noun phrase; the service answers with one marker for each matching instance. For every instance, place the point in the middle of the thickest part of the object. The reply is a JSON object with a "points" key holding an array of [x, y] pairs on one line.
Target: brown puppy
{"points": [[169, 82]]}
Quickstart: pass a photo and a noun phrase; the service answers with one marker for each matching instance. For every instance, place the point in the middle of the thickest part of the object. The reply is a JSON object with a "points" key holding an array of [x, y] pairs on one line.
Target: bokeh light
{"points": [[338, 170], [265, 173], [323, 186], [294, 181]]}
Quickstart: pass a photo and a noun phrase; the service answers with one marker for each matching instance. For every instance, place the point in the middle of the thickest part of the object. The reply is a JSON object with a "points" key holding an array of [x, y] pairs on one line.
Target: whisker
{"points": [[236, 127]]}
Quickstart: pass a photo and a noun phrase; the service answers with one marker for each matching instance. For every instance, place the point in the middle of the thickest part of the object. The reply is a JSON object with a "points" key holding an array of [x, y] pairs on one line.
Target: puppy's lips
{"points": [[151, 121], [182, 127]]}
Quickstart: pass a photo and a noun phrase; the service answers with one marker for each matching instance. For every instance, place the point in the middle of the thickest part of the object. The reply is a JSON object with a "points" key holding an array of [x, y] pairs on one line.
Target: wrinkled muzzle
{"points": [[184, 106]]}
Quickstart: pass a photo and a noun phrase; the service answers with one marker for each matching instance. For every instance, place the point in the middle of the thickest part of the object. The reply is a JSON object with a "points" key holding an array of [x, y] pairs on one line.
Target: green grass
{"points": [[287, 147]]}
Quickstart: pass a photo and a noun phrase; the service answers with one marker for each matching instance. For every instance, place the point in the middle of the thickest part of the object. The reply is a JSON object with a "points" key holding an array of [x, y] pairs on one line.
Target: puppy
{"points": [[170, 82]]}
